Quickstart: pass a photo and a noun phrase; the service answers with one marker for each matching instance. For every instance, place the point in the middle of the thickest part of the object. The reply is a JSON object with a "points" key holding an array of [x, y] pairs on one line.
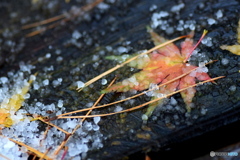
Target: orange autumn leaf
{"points": [[160, 66]]}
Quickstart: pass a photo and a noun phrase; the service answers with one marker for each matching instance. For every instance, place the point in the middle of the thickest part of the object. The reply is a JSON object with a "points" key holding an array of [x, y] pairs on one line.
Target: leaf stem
{"points": [[203, 35]]}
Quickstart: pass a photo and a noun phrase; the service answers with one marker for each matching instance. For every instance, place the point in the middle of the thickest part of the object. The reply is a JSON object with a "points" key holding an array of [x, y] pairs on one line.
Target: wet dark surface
{"points": [[163, 136]]}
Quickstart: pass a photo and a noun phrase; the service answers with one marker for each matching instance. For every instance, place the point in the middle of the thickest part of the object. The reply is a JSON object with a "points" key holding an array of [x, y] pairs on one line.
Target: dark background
{"points": [[126, 20]]}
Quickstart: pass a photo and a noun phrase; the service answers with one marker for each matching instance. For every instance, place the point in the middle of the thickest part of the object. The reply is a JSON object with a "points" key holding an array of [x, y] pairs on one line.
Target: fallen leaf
{"points": [[235, 49], [160, 66]]}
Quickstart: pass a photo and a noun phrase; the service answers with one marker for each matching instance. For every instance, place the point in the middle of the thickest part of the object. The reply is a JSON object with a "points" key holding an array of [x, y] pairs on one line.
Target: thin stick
{"points": [[40, 154], [42, 157], [44, 135], [53, 125], [61, 17], [46, 21], [64, 153], [91, 6], [79, 125], [142, 105], [129, 60], [4, 157], [42, 29]]}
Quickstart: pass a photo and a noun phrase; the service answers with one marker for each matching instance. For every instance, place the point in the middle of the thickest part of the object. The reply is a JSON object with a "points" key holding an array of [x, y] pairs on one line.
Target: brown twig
{"points": [[60, 19], [4, 157], [38, 153]]}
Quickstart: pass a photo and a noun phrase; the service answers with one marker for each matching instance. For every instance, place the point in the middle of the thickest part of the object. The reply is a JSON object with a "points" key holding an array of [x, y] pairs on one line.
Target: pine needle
{"points": [[39, 154]]}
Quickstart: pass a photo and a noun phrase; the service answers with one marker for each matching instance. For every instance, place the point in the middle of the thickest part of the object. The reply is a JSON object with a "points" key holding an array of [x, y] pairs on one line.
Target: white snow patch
{"points": [[60, 103], [118, 109], [96, 119], [76, 34], [211, 21], [219, 14], [178, 7], [48, 55], [80, 84], [46, 82], [225, 61]]}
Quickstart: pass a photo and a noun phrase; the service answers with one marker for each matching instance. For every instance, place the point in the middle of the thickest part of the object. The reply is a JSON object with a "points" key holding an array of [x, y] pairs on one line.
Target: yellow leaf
{"points": [[235, 49]]}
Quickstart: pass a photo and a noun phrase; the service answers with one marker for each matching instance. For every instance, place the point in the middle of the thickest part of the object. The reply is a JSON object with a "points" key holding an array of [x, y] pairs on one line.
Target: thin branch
{"points": [[53, 125], [46, 21], [39, 154], [4, 157], [42, 157], [63, 18]]}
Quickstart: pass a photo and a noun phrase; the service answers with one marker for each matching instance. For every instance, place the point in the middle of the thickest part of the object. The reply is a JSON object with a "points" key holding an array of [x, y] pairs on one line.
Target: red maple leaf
{"points": [[160, 66]]}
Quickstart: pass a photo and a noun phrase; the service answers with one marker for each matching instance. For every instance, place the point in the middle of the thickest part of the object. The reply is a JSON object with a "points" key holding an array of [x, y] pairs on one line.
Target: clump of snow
{"points": [[57, 82], [104, 82], [58, 52], [219, 14], [144, 117], [211, 21], [200, 69], [203, 111], [60, 103], [153, 7], [173, 101], [96, 119], [95, 58], [118, 109], [189, 24], [157, 19], [225, 61], [232, 88], [103, 6], [178, 7], [46, 82], [76, 34], [109, 48], [122, 49], [11, 150], [48, 55], [59, 59], [3, 80], [80, 84], [207, 41], [90, 104]]}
